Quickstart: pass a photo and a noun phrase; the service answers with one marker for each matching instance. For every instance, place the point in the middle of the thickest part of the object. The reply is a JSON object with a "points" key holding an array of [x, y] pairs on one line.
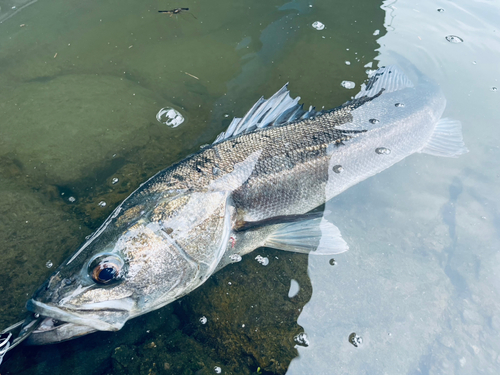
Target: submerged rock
{"points": [[251, 320]]}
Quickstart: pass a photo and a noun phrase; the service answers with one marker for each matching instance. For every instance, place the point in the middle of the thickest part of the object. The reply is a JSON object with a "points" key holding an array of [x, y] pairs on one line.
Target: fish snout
{"points": [[54, 289]]}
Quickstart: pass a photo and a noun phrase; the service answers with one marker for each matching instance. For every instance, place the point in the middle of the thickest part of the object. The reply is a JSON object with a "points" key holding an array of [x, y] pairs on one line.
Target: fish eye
{"points": [[104, 273], [106, 269]]}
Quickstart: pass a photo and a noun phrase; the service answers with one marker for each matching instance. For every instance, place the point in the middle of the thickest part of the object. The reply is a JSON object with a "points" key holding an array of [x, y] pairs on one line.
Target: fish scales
{"points": [[292, 155]]}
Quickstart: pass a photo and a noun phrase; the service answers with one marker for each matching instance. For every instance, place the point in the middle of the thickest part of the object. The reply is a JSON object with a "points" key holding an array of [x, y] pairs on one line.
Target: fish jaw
{"points": [[62, 324], [92, 315], [52, 332]]}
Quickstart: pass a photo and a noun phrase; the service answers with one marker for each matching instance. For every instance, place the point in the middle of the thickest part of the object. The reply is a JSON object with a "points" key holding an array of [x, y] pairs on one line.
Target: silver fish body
{"points": [[254, 186]]}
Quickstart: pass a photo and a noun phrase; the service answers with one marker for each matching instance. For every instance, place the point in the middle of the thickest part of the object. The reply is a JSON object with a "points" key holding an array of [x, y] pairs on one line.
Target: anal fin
{"points": [[446, 140]]}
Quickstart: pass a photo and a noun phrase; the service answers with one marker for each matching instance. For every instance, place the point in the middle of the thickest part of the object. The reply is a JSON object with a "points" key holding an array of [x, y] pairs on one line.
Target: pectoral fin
{"points": [[252, 225], [316, 236]]}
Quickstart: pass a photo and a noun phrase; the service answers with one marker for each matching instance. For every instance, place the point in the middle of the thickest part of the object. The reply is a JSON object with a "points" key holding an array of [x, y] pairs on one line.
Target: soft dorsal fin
{"points": [[388, 78], [279, 109]]}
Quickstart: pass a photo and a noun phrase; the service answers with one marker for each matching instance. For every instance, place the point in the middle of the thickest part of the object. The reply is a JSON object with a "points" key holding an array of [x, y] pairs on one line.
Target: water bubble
{"points": [[294, 288], [235, 258], [49, 264], [101, 204], [373, 121], [332, 262], [217, 369], [262, 260], [301, 339], [440, 10], [494, 88], [338, 168], [454, 39], [355, 339], [382, 151], [170, 117], [114, 180], [71, 199], [348, 84], [203, 320], [318, 25], [399, 105]]}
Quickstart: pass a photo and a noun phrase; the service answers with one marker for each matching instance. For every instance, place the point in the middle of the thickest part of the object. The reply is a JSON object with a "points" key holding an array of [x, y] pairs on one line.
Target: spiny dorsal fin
{"points": [[279, 109]]}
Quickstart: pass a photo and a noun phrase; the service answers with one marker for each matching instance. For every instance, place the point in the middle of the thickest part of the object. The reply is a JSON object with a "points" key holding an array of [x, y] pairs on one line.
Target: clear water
{"points": [[80, 86]]}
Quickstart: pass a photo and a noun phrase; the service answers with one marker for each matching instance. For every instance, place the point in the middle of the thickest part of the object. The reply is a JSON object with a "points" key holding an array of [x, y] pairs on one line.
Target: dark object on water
{"points": [[355, 340], [175, 11]]}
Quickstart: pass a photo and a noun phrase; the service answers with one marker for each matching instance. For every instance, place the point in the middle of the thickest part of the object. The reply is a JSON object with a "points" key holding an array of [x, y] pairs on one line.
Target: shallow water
{"points": [[81, 83]]}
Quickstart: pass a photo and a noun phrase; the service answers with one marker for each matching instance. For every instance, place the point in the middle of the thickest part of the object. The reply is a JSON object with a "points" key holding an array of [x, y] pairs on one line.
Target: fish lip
{"points": [[72, 316], [56, 334]]}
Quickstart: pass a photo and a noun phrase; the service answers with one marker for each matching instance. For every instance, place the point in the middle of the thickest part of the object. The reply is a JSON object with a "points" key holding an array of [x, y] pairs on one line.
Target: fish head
{"points": [[142, 258]]}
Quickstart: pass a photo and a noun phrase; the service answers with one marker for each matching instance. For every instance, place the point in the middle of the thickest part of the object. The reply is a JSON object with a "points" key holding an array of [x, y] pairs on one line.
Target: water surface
{"points": [[81, 83]]}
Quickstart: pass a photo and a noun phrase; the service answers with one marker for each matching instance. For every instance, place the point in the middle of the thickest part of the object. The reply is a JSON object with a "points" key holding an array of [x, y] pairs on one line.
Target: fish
{"points": [[260, 183]]}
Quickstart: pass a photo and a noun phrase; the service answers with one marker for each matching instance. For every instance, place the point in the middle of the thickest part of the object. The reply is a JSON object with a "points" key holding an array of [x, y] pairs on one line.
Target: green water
{"points": [[80, 86]]}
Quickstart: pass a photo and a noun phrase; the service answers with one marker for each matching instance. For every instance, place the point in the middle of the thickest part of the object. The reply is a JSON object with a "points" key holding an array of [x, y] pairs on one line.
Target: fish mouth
{"points": [[52, 331], [87, 315]]}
